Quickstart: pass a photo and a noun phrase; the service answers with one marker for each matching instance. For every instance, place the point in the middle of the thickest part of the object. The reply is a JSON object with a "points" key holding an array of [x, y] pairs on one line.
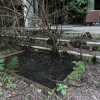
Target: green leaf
{"points": [[8, 86], [2, 60], [1, 67], [65, 86], [49, 93], [75, 68], [13, 63], [13, 85], [75, 62], [0, 84], [1, 93], [58, 89], [63, 92]]}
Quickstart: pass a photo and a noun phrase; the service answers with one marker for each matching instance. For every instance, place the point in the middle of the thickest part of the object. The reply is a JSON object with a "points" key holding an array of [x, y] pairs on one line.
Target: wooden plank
{"points": [[46, 89], [12, 54]]}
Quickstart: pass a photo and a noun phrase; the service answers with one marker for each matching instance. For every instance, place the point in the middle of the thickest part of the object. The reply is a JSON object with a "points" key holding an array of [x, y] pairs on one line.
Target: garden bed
{"points": [[25, 90], [39, 67]]}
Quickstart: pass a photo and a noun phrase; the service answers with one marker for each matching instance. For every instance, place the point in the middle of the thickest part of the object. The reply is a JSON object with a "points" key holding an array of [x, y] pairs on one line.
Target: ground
{"points": [[27, 91]]}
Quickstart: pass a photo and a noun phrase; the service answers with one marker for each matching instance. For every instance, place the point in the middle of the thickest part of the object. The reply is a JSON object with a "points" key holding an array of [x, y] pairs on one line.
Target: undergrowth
{"points": [[78, 69], [13, 63], [62, 89], [2, 64], [5, 80]]}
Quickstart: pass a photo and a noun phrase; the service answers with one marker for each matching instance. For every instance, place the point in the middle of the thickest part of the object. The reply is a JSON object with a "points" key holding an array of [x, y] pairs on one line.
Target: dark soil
{"points": [[40, 67]]}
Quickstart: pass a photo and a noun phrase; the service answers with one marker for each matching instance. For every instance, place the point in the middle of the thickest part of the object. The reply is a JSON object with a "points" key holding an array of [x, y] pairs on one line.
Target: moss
{"points": [[13, 63]]}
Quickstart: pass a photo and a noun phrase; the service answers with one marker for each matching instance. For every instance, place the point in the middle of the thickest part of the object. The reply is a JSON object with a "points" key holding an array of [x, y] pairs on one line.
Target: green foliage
{"points": [[78, 5], [75, 5], [79, 66], [2, 60], [49, 94], [10, 85], [2, 64], [78, 69], [6, 79], [1, 67], [57, 98], [26, 98], [13, 63], [1, 93], [62, 88], [6, 82]]}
